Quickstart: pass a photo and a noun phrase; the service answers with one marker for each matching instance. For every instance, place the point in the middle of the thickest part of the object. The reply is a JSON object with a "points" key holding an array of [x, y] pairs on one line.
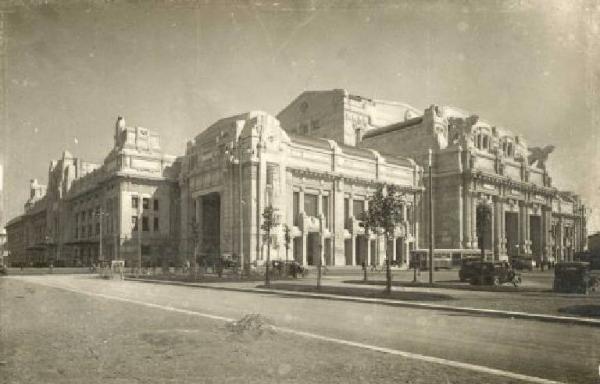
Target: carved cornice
{"points": [[509, 183], [331, 176]]}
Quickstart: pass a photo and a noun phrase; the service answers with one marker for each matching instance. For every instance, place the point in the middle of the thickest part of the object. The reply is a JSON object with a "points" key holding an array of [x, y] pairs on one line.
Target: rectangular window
{"points": [[315, 125], [146, 202], [346, 212], [325, 208], [145, 226], [156, 204], [304, 129], [359, 208], [89, 230], [310, 204], [296, 207], [97, 228], [134, 223], [156, 224], [134, 202], [83, 232]]}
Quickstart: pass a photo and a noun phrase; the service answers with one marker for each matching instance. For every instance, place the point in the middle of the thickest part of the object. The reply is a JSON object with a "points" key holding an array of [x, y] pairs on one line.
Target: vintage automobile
{"points": [[495, 274], [467, 268], [574, 277], [521, 263], [292, 267]]}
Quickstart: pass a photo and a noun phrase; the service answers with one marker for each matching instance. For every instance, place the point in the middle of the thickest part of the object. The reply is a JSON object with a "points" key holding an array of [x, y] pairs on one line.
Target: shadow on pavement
{"points": [[589, 310], [450, 285], [361, 292]]}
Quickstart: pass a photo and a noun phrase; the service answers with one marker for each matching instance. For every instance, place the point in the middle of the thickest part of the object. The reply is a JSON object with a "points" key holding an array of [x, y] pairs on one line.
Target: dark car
{"points": [[522, 263], [468, 267], [3, 270], [292, 267], [574, 277], [495, 274]]}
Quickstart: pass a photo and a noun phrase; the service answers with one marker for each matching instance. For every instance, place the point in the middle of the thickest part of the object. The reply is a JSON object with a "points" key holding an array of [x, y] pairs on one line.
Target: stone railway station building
{"points": [[317, 162]]}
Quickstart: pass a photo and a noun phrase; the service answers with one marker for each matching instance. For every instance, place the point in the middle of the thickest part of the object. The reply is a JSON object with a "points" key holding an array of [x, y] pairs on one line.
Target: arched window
{"points": [[510, 150], [485, 142]]}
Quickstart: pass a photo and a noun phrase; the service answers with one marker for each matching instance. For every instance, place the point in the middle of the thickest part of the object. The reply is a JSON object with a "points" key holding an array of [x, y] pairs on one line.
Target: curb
{"points": [[400, 303]]}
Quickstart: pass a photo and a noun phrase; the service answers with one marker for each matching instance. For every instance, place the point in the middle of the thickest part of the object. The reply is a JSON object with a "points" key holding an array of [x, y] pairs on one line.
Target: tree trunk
{"points": [[388, 271], [267, 278]]}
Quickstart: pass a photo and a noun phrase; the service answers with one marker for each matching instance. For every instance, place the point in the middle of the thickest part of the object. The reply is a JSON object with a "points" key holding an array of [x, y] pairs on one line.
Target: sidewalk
{"points": [[543, 306]]}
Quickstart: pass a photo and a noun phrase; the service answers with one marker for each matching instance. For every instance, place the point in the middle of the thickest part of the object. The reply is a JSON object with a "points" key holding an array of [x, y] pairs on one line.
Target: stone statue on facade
{"points": [[538, 156]]}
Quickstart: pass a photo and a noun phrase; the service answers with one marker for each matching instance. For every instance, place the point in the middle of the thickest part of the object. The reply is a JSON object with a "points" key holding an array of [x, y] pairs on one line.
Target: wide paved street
{"points": [[60, 328]]}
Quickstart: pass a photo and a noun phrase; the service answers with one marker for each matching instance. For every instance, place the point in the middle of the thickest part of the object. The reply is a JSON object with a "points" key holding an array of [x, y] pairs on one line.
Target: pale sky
{"points": [[530, 66]]}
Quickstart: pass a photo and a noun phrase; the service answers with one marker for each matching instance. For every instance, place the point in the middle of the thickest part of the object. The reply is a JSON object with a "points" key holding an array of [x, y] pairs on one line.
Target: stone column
{"points": [[503, 249], [368, 258], [522, 228], [474, 243], [466, 212], [498, 212], [337, 215], [353, 248], [304, 247]]}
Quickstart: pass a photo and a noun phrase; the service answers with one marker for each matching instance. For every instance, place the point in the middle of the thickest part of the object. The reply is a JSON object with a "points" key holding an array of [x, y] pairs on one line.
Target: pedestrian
{"points": [[51, 268]]}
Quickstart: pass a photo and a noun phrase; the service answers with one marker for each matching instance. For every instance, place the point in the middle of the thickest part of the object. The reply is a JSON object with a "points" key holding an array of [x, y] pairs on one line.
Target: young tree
{"points": [[269, 221], [287, 238], [385, 212]]}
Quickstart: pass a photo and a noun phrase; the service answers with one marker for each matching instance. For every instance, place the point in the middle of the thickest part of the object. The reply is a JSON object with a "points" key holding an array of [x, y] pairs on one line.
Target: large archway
{"points": [[211, 224]]}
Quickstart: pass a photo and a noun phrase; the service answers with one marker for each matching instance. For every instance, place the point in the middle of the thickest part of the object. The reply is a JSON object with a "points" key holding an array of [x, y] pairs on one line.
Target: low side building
{"points": [[123, 209], [242, 164], [15, 243]]}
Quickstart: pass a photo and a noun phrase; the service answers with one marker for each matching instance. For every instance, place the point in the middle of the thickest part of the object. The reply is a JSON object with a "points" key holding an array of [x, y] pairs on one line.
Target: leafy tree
{"points": [[269, 221], [384, 212]]}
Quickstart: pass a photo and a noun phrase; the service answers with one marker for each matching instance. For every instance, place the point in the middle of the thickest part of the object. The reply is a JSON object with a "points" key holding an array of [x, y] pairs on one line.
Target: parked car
{"points": [[292, 267], [521, 263], [574, 277], [495, 274], [467, 268], [3, 270]]}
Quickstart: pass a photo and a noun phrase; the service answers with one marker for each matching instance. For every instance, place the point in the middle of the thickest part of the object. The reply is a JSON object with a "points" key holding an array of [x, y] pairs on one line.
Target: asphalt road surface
{"points": [[557, 352]]}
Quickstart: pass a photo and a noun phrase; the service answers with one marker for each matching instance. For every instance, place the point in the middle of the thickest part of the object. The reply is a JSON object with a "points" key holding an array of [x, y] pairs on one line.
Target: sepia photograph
{"points": [[299, 191]]}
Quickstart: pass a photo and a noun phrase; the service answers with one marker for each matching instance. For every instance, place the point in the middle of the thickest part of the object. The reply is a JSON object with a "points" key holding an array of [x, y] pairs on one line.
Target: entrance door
{"points": [[511, 220], [211, 225], [312, 250], [535, 227]]}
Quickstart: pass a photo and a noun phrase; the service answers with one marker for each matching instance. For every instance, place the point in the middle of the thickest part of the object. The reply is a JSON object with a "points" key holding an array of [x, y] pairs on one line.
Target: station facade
{"points": [[316, 162]]}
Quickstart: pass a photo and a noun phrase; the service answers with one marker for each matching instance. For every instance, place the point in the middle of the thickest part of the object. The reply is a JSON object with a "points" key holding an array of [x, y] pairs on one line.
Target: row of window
{"points": [[306, 128], [311, 206], [135, 201], [483, 142], [145, 224]]}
